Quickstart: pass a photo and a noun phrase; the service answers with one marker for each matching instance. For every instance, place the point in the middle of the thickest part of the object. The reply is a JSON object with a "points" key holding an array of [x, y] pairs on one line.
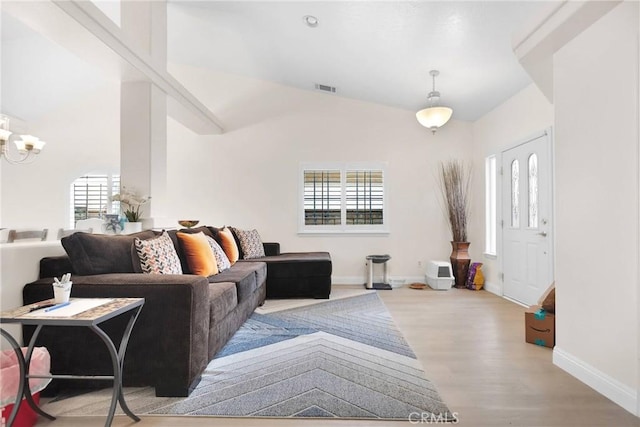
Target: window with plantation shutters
{"points": [[91, 197], [343, 197], [322, 197], [365, 197]]}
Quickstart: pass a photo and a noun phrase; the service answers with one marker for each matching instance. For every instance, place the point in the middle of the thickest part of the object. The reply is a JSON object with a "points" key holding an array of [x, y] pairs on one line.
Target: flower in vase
{"points": [[130, 203]]}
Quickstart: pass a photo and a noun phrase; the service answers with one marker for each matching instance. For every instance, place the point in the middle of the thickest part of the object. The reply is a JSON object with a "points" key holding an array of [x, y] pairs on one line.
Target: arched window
{"points": [[91, 197]]}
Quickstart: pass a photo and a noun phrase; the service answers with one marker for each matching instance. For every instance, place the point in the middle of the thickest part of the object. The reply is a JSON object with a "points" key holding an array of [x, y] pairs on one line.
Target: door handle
{"points": [[543, 233]]}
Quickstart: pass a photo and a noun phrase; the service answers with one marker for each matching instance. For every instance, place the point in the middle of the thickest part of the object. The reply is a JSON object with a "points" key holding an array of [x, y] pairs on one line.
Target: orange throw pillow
{"points": [[229, 245], [200, 257]]}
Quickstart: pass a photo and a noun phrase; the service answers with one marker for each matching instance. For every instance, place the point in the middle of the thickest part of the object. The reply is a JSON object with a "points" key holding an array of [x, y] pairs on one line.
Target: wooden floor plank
{"points": [[471, 345]]}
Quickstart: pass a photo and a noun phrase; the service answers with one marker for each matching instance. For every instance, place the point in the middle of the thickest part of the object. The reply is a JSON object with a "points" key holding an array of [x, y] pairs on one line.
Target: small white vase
{"points": [[132, 227]]}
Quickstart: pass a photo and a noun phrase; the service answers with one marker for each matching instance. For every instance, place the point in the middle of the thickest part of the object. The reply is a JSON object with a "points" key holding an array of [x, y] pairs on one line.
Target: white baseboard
{"points": [[347, 280], [609, 387], [493, 288], [360, 280]]}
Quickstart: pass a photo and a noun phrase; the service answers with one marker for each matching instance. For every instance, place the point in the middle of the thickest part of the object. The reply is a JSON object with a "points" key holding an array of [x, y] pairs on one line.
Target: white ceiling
{"points": [[372, 51], [37, 75]]}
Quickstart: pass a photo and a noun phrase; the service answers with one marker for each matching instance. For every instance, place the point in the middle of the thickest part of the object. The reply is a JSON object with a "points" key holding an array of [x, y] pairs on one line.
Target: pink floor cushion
{"points": [[10, 373]]}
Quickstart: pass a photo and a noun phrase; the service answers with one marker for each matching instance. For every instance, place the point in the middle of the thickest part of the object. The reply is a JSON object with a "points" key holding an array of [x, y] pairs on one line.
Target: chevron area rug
{"points": [[338, 359]]}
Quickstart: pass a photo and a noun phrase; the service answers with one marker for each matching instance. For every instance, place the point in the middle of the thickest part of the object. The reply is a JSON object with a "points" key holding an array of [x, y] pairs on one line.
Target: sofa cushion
{"points": [[206, 230], [223, 298], [244, 275], [229, 245], [261, 273], [235, 237], [199, 254], [271, 248], [298, 264], [101, 253], [158, 255], [221, 258], [214, 232], [176, 243], [250, 243]]}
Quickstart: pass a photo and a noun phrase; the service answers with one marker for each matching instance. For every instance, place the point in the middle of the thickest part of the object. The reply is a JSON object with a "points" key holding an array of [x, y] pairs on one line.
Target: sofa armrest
{"points": [[169, 342], [55, 266], [271, 248]]}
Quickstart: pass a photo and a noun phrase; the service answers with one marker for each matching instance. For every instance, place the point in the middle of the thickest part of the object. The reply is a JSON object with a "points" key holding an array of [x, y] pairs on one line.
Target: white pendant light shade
{"points": [[434, 117]]}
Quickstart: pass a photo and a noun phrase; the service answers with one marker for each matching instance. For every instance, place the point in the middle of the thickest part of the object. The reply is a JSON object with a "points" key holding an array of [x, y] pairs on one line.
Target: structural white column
{"points": [[143, 112], [143, 143]]}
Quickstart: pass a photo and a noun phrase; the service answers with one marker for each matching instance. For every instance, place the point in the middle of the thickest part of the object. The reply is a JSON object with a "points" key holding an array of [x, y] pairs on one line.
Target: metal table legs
{"points": [[117, 359]]}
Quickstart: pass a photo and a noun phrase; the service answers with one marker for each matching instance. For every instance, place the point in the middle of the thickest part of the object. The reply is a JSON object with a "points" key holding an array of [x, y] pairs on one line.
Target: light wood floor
{"points": [[471, 345]]}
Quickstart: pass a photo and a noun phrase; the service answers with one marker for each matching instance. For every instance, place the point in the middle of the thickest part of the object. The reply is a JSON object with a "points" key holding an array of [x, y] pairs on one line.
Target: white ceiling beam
{"points": [[547, 33], [83, 29]]}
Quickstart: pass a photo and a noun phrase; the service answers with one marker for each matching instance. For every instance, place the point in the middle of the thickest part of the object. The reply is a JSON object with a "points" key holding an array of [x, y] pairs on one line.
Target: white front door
{"points": [[527, 241]]}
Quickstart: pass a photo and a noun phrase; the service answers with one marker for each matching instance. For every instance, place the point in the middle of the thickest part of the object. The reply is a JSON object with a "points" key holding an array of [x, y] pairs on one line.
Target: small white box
{"points": [[439, 275]]}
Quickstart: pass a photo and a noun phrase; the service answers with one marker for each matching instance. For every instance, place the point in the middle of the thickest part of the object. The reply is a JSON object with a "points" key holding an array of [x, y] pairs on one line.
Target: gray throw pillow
{"points": [[251, 243], [221, 258]]}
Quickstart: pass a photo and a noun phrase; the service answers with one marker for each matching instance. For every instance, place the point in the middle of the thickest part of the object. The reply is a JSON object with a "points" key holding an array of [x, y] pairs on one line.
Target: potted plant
{"points": [[130, 203], [455, 178]]}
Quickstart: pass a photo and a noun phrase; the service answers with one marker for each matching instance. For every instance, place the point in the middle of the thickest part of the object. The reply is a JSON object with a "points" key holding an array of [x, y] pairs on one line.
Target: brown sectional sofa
{"points": [[298, 275], [186, 318]]}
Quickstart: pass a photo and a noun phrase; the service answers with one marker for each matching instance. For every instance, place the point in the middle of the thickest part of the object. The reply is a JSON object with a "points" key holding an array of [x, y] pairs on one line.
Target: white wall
{"points": [[597, 193], [19, 265], [249, 175], [516, 119], [82, 137]]}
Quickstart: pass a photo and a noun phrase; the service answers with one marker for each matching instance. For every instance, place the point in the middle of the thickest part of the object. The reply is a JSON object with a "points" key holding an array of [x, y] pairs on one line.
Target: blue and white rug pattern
{"points": [[339, 359], [342, 358], [363, 319]]}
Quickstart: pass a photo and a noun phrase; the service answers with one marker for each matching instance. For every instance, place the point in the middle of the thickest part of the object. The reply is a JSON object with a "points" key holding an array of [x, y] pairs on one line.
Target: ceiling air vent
{"points": [[325, 88]]}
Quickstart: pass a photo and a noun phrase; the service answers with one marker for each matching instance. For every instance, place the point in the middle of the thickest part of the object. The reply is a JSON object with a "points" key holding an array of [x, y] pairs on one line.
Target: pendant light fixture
{"points": [[26, 146], [434, 116]]}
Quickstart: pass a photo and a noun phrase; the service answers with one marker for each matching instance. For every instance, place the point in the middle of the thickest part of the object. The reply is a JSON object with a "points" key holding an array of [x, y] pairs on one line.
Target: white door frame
{"points": [[500, 204]]}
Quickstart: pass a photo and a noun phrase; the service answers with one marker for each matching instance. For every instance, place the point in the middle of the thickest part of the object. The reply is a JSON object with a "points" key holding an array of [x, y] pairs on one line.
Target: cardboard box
{"points": [[540, 327], [546, 292]]}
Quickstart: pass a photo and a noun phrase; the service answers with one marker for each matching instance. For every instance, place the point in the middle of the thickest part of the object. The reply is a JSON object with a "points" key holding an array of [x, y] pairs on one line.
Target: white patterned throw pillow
{"points": [[221, 258], [250, 242], [158, 255]]}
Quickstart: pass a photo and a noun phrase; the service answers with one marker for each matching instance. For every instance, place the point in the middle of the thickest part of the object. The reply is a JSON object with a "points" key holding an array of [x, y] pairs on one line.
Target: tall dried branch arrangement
{"points": [[455, 178]]}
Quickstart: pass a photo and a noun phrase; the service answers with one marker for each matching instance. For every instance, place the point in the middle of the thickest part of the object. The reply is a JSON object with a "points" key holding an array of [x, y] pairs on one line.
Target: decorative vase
{"points": [[132, 227], [460, 261]]}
